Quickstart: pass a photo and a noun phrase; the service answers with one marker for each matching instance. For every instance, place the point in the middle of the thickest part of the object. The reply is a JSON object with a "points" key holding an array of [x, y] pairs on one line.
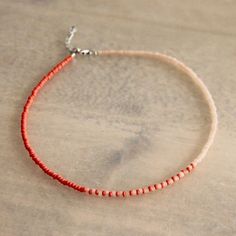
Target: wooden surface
{"points": [[117, 123]]}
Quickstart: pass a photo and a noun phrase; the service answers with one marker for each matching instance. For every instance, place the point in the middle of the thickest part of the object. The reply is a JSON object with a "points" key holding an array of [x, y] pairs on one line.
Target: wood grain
{"points": [[117, 123]]}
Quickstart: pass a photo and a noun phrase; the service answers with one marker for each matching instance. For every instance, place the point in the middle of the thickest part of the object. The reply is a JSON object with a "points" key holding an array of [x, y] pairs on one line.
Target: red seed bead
{"points": [[50, 75], [82, 189], [132, 192], [96, 192], [118, 193]]}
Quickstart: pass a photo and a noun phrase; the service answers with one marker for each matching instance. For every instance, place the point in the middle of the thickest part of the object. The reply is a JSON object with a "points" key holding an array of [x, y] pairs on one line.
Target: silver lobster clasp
{"points": [[76, 50]]}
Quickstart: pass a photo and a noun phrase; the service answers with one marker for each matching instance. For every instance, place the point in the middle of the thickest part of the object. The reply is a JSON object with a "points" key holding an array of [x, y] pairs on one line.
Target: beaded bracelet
{"points": [[144, 54]]}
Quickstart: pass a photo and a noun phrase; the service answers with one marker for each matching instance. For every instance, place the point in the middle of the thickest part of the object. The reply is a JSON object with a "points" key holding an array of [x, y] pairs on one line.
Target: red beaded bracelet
{"points": [[153, 55]]}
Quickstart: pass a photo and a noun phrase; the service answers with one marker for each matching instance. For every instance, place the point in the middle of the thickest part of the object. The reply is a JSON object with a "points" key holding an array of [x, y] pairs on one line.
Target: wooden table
{"points": [[118, 123]]}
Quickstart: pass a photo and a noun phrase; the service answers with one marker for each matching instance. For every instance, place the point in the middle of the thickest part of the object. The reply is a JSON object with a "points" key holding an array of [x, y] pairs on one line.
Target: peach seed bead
{"points": [[170, 181], [145, 190], [181, 174], [176, 178], [164, 184], [140, 191]]}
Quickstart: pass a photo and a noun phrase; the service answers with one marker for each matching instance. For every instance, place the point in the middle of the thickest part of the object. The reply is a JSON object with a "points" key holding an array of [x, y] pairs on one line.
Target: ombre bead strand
{"points": [[132, 192]]}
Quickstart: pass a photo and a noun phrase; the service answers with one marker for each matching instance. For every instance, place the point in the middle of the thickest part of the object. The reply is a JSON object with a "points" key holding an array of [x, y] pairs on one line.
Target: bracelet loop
{"points": [[132, 192]]}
